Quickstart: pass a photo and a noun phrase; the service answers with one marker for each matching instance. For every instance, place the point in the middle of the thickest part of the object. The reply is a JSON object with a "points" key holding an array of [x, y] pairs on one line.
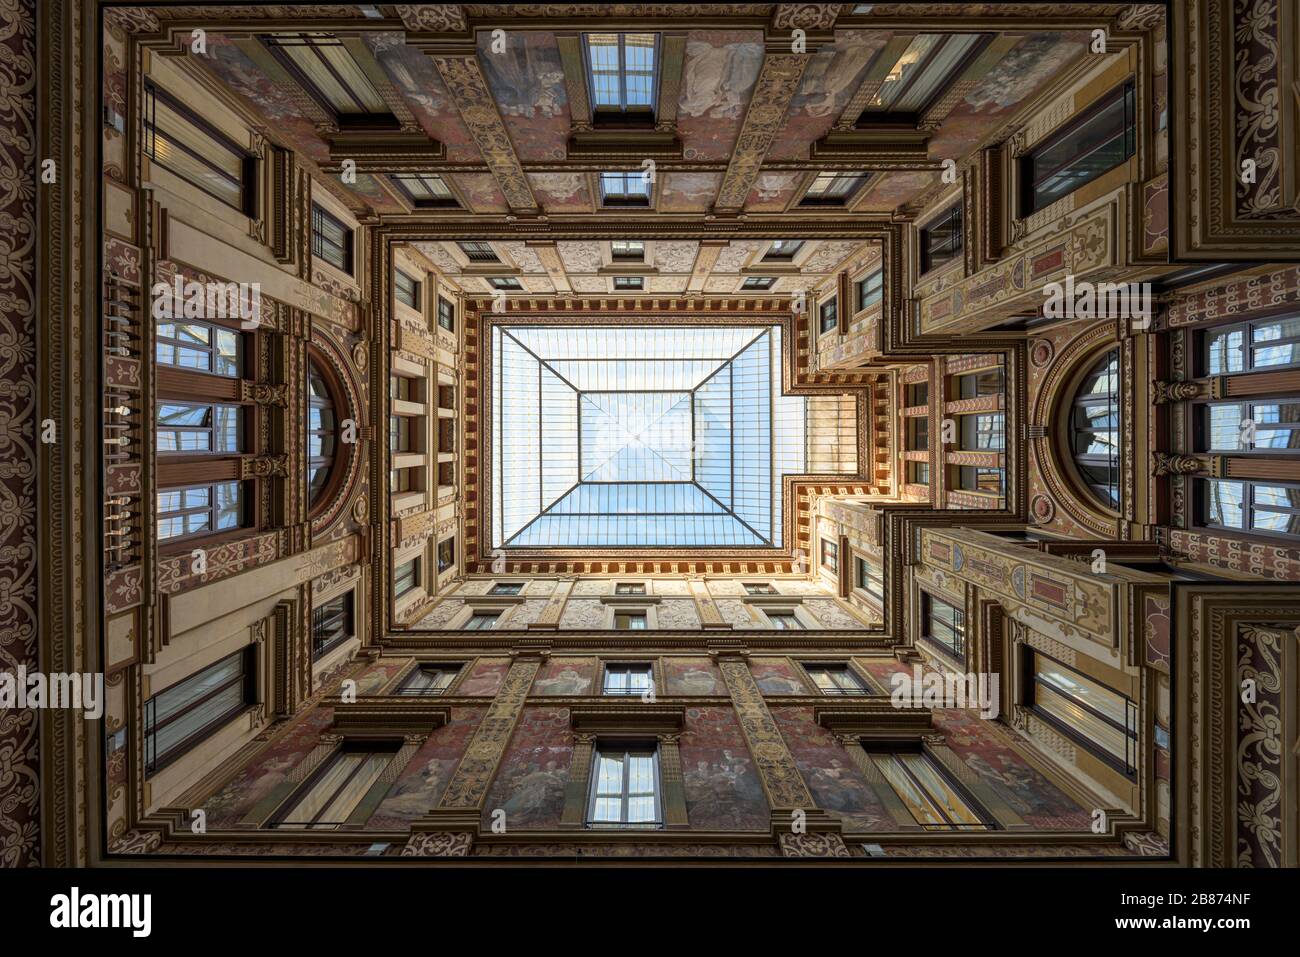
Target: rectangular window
{"points": [[1261, 508], [978, 384], [200, 510], [329, 73], [199, 347], [1101, 139], [759, 588], [943, 625], [1252, 346], [179, 140], [942, 239], [629, 282], [446, 554], [446, 314], [625, 189], [758, 282], [625, 788], [186, 427], [179, 717], [830, 554], [405, 577], [505, 283], [870, 289], [425, 190], [482, 621], [933, 798], [629, 588], [982, 432], [630, 621], [870, 579], [428, 681], [507, 588], [830, 319], [923, 71], [918, 433], [400, 438], [627, 250], [916, 394], [782, 250], [972, 478], [401, 480], [331, 240], [623, 679], [784, 621], [479, 252], [918, 473], [835, 679], [1268, 425], [1085, 710], [833, 189], [331, 624], [621, 77], [406, 289], [328, 798]]}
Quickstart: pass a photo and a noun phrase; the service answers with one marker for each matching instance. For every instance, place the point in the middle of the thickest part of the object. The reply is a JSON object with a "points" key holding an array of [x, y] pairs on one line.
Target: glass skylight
{"points": [[640, 436]]}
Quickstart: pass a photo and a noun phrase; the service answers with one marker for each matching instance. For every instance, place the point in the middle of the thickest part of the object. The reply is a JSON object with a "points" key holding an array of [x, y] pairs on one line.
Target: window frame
{"points": [[320, 216], [606, 115], [854, 688], [829, 549], [1080, 436], [320, 649], [828, 316], [953, 249], [370, 748], [887, 116], [1131, 731], [825, 199], [247, 676], [956, 624], [212, 348], [412, 289], [972, 805], [868, 292], [403, 584], [151, 93], [1029, 199], [244, 508], [1248, 345], [406, 688], [446, 314], [862, 570], [345, 120], [435, 199], [1203, 486], [443, 564], [627, 750], [627, 667], [623, 198], [212, 431]]}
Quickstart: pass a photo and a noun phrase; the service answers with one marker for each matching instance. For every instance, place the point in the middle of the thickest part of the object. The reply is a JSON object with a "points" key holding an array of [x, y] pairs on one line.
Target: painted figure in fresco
{"points": [[567, 681], [413, 795], [777, 683], [536, 795], [526, 79], [717, 79], [695, 681]]}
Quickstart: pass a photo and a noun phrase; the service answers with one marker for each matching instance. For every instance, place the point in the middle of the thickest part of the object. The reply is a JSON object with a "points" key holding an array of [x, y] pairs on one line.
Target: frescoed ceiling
{"points": [[716, 79]]}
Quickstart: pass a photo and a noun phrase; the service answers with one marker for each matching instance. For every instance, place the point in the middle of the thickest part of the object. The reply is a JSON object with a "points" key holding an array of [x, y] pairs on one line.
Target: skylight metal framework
{"points": [[640, 436]]}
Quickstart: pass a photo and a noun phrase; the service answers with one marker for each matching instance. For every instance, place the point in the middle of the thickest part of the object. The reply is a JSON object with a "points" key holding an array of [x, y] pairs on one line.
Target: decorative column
{"points": [[801, 828], [450, 828], [554, 610]]}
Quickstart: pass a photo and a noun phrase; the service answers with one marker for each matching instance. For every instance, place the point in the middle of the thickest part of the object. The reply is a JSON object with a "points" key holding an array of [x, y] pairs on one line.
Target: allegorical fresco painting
{"points": [[835, 782], [722, 786], [419, 786], [529, 785]]}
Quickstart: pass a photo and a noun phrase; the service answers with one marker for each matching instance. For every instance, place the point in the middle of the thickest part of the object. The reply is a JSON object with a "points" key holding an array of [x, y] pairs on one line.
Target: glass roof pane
{"points": [[641, 436]]}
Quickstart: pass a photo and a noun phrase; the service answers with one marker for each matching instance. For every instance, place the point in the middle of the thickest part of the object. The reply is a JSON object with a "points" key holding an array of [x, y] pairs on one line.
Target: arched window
{"points": [[1095, 429], [322, 433]]}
